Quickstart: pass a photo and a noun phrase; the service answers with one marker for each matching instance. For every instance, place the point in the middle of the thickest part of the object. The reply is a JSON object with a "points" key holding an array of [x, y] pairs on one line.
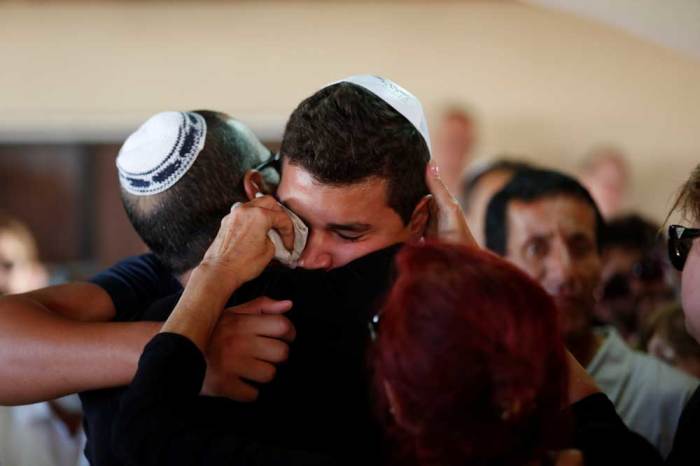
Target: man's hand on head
{"points": [[447, 222], [242, 249], [249, 341]]}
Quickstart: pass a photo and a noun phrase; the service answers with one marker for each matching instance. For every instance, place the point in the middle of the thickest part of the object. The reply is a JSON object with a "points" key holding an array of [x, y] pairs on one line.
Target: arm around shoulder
{"points": [[56, 340]]}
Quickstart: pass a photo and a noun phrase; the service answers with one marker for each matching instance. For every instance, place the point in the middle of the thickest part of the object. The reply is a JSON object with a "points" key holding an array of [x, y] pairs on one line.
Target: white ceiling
{"points": [[671, 23]]}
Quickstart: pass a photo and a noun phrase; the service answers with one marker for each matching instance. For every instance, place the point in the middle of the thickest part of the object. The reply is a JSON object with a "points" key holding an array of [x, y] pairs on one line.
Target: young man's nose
{"points": [[315, 255]]}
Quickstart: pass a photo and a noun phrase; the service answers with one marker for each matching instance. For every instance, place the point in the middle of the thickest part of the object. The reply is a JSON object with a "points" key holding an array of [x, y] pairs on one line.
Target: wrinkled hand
{"points": [[247, 344], [447, 222], [242, 247]]}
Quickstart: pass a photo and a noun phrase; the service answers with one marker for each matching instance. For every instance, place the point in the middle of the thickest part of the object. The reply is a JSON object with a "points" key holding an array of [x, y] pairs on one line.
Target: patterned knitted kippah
{"points": [[160, 152]]}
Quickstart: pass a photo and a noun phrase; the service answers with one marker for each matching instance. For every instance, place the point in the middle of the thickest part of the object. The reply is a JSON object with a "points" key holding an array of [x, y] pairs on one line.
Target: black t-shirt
{"points": [[161, 422], [133, 284], [319, 401], [684, 450], [320, 398], [331, 311], [598, 431]]}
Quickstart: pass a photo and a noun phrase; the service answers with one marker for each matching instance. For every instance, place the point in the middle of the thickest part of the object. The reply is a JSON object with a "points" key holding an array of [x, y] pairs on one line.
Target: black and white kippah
{"points": [[397, 97], [160, 152]]}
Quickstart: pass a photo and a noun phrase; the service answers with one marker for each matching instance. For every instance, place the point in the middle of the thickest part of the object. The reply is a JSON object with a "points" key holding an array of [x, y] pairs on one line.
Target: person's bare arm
{"points": [[58, 340]]}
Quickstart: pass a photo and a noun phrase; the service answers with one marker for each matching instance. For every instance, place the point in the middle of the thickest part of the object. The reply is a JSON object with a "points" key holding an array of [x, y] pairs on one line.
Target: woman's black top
{"points": [[318, 410], [685, 451]]}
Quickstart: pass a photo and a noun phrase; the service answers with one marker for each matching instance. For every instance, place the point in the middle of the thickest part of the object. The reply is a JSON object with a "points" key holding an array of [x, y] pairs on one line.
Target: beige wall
{"points": [[545, 83]]}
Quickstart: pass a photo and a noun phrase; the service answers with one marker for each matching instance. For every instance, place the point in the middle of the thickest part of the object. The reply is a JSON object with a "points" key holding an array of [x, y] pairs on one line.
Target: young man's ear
{"points": [[420, 217], [254, 182]]}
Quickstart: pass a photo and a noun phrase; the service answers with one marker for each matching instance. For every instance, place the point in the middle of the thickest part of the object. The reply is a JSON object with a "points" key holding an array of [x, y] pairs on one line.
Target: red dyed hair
{"points": [[471, 349]]}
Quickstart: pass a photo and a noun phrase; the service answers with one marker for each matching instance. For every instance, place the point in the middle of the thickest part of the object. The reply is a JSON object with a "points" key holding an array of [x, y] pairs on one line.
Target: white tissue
{"points": [[301, 233]]}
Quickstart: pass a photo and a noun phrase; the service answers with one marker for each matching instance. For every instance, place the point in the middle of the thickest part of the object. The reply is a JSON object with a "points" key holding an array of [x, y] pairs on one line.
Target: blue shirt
{"points": [[133, 284]]}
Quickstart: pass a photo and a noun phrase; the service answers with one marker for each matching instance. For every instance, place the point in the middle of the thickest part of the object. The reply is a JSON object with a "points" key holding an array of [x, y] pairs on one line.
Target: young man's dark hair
{"points": [[471, 180], [179, 224], [531, 185], [344, 134]]}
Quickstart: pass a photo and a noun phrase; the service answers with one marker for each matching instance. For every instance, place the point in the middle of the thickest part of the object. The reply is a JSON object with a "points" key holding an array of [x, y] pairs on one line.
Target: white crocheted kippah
{"points": [[160, 152], [397, 97]]}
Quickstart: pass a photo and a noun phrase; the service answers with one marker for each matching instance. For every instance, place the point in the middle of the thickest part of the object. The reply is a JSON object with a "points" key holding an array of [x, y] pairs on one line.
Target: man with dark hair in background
{"points": [[478, 187], [547, 224]]}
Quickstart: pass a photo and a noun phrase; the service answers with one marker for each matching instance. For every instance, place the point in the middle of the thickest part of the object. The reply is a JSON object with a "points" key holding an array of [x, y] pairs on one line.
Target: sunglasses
{"points": [[680, 240], [274, 161]]}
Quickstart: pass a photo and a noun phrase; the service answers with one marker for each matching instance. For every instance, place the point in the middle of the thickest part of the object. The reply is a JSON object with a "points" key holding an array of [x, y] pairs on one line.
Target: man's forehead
{"points": [[296, 178], [547, 214], [334, 204]]}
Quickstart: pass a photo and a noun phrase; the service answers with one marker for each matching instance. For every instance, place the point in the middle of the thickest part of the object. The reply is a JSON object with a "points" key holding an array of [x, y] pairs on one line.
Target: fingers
{"points": [[259, 371], [266, 325], [441, 195], [282, 223], [271, 350], [262, 305], [447, 221], [277, 217]]}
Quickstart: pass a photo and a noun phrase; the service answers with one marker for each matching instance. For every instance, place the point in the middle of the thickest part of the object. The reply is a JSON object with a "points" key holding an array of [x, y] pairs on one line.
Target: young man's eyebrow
{"points": [[357, 227], [285, 205]]}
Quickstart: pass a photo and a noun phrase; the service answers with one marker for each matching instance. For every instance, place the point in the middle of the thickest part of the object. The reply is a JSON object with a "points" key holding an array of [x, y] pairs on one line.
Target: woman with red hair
{"points": [[469, 360]]}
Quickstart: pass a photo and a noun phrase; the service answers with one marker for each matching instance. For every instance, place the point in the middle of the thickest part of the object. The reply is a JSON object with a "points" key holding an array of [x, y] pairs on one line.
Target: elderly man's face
{"points": [[345, 222], [553, 239]]}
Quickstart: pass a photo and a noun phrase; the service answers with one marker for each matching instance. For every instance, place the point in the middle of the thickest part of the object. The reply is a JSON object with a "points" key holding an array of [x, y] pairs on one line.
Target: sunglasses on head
{"points": [[680, 240]]}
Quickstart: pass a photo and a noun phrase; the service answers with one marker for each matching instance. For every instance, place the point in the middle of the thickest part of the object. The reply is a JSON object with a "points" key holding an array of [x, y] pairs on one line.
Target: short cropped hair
{"points": [[532, 185], [344, 134], [179, 224]]}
